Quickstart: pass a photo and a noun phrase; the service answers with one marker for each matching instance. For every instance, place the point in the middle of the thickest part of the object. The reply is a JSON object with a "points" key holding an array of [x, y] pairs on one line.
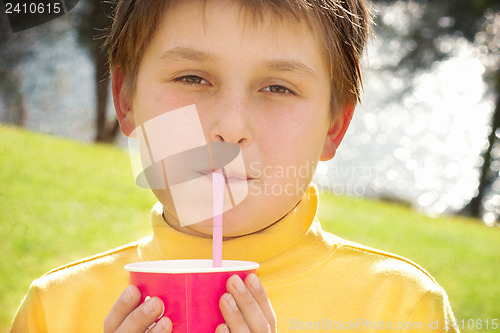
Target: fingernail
{"points": [[127, 295], [164, 323], [224, 328], [162, 310], [238, 284], [150, 305], [254, 281], [231, 302]]}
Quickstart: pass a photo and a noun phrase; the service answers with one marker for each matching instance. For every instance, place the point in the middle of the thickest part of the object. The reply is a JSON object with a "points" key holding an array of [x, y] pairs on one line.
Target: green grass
{"points": [[62, 200], [462, 254]]}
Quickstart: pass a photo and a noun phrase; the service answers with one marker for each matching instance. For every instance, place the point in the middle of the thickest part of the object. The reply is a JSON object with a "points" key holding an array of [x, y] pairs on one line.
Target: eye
{"points": [[277, 89], [192, 80]]}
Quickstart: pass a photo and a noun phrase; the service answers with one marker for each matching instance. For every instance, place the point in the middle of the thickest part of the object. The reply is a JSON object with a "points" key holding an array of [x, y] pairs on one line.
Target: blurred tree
{"points": [[15, 49], [94, 20], [431, 24], [11, 54]]}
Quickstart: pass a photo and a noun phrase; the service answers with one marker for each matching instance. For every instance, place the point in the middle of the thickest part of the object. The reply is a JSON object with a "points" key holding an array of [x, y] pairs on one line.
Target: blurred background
{"points": [[425, 134], [425, 139]]}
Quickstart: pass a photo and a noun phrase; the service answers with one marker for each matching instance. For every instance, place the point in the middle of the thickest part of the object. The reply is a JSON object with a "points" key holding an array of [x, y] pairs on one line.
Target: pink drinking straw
{"points": [[218, 193]]}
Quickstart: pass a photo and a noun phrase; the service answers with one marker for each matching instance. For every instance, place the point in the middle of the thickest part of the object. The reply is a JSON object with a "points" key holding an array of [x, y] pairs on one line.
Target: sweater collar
{"points": [[169, 243]]}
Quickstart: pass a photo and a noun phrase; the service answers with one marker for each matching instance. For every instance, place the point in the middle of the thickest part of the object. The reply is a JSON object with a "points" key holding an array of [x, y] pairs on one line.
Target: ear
{"points": [[336, 133], [123, 103]]}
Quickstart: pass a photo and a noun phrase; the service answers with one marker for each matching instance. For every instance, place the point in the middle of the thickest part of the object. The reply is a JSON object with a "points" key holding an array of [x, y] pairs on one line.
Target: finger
{"points": [[259, 294], [164, 325], [232, 315], [253, 314], [222, 328], [125, 304], [143, 316]]}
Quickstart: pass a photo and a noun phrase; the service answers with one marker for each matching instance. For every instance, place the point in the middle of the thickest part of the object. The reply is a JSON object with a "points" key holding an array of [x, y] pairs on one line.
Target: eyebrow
{"points": [[187, 53], [289, 66]]}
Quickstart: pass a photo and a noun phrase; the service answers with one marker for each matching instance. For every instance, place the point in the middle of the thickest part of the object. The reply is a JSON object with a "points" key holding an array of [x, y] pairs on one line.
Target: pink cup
{"points": [[189, 289]]}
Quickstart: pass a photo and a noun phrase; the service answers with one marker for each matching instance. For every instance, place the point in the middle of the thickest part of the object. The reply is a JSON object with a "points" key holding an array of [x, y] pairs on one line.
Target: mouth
{"points": [[229, 176]]}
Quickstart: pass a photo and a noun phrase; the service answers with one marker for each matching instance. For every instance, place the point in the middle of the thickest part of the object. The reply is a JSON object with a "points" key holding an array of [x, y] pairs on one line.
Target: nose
{"points": [[231, 120]]}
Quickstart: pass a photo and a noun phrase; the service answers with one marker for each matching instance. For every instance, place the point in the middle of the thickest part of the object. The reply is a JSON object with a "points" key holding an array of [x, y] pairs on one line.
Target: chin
{"points": [[230, 228]]}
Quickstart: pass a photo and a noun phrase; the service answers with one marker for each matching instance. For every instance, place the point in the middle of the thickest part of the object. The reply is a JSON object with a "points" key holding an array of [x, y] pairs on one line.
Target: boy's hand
{"points": [[246, 308], [127, 316]]}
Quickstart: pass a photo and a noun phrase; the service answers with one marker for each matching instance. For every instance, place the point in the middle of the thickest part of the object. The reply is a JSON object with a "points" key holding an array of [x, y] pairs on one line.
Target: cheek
{"points": [[150, 102], [294, 134]]}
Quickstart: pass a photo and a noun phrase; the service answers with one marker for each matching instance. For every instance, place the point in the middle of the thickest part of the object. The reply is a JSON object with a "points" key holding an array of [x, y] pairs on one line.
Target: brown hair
{"points": [[344, 24]]}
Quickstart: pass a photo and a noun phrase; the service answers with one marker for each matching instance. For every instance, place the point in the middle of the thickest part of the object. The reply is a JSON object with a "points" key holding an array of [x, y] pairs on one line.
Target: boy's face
{"points": [[262, 86]]}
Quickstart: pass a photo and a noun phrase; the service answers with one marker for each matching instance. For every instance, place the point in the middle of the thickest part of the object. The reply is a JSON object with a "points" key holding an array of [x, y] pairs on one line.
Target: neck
{"points": [[174, 223]]}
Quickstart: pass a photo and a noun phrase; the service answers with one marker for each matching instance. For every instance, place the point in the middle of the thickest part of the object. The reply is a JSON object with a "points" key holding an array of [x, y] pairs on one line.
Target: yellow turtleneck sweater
{"points": [[315, 280]]}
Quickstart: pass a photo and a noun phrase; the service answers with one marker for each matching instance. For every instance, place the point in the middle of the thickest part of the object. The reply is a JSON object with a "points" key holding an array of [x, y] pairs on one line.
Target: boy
{"points": [[280, 79]]}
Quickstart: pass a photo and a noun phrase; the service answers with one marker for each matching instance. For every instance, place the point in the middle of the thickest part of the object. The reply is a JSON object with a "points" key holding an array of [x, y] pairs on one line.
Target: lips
{"points": [[236, 179], [229, 175]]}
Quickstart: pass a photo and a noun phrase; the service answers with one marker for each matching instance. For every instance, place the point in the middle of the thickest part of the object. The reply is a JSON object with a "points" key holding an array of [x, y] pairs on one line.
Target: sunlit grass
{"points": [[462, 254], [61, 200]]}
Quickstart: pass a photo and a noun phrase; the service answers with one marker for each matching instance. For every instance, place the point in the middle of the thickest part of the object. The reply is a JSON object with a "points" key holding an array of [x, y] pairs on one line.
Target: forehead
{"points": [[255, 12], [250, 19]]}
